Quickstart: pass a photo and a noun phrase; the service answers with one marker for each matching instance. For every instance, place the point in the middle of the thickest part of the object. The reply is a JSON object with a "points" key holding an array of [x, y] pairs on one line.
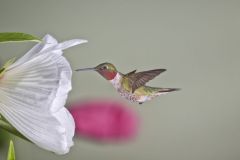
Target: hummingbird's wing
{"points": [[130, 73], [141, 78]]}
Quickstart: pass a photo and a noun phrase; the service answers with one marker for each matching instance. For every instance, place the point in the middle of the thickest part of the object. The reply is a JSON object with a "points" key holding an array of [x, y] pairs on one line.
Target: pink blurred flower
{"points": [[104, 120]]}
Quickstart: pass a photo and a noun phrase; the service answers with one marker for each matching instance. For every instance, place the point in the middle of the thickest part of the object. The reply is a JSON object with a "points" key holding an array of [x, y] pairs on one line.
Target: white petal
{"points": [[33, 93], [45, 130], [48, 44], [47, 41], [66, 120], [42, 82], [66, 44]]}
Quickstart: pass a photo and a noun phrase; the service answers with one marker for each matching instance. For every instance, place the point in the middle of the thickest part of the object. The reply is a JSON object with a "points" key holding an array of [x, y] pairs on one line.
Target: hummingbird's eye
{"points": [[104, 67]]}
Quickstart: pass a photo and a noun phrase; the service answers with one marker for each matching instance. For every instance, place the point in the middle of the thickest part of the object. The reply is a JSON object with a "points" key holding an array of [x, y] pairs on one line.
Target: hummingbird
{"points": [[131, 85]]}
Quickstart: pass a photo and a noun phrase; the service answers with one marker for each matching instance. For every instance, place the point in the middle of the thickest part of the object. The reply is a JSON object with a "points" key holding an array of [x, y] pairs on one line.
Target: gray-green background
{"points": [[197, 41]]}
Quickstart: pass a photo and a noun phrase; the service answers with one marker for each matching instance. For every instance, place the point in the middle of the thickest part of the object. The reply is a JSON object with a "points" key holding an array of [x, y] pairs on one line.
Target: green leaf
{"points": [[17, 37], [11, 152]]}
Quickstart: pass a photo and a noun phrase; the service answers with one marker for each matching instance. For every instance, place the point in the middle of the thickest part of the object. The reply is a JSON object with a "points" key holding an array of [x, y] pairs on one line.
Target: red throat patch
{"points": [[109, 75]]}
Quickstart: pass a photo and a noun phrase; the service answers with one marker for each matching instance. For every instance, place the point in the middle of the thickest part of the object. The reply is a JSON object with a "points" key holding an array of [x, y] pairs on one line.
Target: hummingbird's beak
{"points": [[86, 69]]}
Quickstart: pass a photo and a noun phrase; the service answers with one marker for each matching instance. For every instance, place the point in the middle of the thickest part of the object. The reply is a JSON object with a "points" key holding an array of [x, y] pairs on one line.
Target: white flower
{"points": [[33, 92]]}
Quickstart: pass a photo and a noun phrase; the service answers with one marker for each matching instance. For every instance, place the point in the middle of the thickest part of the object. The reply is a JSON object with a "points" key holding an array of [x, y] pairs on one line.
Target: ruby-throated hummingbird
{"points": [[131, 85]]}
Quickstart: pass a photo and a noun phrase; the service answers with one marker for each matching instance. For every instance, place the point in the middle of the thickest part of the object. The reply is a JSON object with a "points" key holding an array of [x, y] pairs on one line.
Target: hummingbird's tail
{"points": [[166, 90]]}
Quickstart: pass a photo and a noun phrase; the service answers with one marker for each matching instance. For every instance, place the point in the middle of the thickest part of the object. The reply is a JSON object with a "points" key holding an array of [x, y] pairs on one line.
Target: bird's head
{"points": [[107, 70]]}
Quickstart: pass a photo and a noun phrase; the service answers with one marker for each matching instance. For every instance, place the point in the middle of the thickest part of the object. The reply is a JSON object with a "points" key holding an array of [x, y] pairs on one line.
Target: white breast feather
{"points": [[116, 81]]}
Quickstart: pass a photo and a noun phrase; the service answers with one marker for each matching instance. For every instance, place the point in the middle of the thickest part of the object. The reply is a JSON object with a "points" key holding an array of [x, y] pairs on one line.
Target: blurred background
{"points": [[197, 41]]}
